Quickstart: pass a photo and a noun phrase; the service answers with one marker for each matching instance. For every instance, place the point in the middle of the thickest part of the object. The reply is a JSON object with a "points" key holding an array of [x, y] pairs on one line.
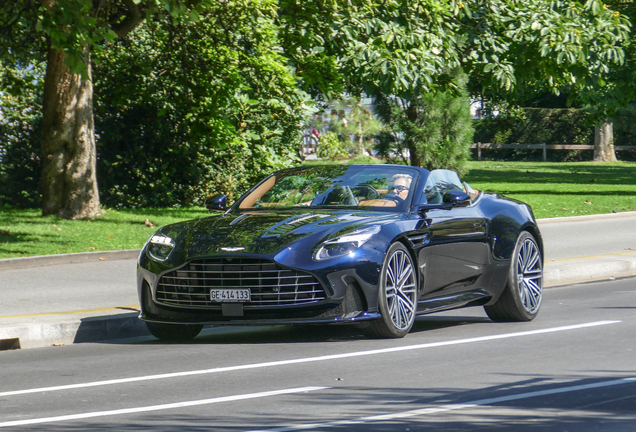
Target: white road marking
{"points": [[307, 359], [450, 407], [159, 407]]}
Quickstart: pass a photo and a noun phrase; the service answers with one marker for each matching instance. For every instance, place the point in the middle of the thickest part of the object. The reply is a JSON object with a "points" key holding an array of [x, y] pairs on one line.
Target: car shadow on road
{"points": [[301, 333]]}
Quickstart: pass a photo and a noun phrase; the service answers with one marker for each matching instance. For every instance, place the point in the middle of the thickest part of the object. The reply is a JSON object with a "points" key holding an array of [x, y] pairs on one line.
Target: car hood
{"points": [[266, 232]]}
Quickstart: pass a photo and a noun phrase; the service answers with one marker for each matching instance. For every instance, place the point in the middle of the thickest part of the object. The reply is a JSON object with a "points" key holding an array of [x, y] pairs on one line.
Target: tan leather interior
{"points": [[378, 203], [257, 193]]}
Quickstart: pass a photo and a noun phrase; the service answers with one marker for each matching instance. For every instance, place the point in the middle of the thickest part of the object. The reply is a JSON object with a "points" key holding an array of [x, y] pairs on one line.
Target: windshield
{"points": [[379, 187]]}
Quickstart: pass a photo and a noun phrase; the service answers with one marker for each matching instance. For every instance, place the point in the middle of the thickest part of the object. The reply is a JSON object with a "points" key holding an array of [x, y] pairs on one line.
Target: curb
{"points": [[47, 260], [586, 217], [71, 330], [588, 270]]}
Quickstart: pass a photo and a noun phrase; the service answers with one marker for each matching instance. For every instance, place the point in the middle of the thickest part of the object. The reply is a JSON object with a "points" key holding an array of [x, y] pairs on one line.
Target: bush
{"points": [[330, 147], [433, 130], [190, 109], [536, 126], [20, 126]]}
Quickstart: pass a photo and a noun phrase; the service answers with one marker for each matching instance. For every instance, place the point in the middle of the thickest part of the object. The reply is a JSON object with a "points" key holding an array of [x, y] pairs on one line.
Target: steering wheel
{"points": [[391, 196], [368, 191]]}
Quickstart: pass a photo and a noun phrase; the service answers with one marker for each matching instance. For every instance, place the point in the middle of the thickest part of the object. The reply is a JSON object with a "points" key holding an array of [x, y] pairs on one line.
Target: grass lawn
{"points": [[560, 189], [31, 234], [552, 189]]}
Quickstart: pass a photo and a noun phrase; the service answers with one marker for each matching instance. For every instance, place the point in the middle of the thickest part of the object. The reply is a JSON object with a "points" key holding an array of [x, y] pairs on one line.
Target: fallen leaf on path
{"points": [[148, 223], [102, 259], [58, 344]]}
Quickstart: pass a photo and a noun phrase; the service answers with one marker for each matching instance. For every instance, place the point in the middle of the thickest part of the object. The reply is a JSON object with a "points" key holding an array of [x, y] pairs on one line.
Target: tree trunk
{"points": [[414, 155], [69, 181], [604, 142], [360, 139]]}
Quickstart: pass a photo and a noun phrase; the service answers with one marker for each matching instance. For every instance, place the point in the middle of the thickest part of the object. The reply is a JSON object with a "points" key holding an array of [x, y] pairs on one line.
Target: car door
{"points": [[455, 248]]}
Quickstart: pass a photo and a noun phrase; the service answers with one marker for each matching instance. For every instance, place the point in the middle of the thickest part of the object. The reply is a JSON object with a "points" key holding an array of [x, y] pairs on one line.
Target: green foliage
{"points": [[330, 147], [536, 126], [407, 47], [435, 130], [20, 121], [625, 126], [187, 109]]}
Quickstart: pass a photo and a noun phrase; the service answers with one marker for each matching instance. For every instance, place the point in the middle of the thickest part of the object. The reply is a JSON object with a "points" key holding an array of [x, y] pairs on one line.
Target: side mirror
{"points": [[457, 198], [216, 203]]}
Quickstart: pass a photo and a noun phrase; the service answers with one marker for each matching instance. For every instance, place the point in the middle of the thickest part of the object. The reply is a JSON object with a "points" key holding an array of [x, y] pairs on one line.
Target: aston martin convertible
{"points": [[343, 244]]}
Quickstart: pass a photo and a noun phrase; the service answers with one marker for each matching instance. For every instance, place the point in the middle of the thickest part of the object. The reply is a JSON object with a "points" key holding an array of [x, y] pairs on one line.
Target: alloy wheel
{"points": [[401, 290], [530, 275]]}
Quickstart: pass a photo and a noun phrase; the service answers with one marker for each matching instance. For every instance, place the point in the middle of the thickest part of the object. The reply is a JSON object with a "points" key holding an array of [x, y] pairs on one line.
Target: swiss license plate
{"points": [[230, 295]]}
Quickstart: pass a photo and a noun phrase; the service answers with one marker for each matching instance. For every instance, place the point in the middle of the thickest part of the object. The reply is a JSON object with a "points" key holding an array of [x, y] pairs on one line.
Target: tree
{"points": [[188, 109], [404, 48], [435, 130], [408, 48], [617, 88], [67, 31], [581, 47]]}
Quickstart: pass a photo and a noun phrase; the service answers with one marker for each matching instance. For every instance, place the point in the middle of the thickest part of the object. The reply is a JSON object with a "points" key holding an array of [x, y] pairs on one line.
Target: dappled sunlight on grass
{"points": [[27, 233], [560, 189]]}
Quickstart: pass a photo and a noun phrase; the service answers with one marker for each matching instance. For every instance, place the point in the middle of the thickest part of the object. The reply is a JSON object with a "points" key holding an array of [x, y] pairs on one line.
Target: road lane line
{"points": [[308, 359], [450, 407], [159, 407]]}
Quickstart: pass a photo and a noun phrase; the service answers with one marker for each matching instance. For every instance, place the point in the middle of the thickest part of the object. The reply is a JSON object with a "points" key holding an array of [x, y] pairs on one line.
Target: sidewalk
{"points": [[72, 298]]}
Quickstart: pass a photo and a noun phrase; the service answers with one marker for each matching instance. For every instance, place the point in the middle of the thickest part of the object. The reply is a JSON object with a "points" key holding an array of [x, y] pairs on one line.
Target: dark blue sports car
{"points": [[343, 244]]}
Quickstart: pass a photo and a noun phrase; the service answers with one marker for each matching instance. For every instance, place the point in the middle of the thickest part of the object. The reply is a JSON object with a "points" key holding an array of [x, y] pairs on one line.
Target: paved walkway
{"points": [[72, 298]]}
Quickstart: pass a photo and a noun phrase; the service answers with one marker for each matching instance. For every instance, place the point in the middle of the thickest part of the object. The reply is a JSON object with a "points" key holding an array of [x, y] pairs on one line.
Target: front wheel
{"points": [[397, 296], [174, 332], [522, 295]]}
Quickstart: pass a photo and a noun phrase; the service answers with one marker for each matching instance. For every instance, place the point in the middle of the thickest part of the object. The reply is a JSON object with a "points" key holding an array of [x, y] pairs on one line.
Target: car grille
{"points": [[270, 284]]}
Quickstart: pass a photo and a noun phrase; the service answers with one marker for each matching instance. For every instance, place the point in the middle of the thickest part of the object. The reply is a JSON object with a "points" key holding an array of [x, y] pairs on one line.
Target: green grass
{"points": [[31, 234], [560, 189], [552, 189]]}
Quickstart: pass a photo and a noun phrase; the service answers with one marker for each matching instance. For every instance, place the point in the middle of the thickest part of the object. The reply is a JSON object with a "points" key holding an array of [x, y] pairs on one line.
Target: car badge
{"points": [[232, 249]]}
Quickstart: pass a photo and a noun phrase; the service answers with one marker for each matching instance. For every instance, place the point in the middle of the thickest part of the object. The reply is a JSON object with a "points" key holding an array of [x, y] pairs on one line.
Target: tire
{"points": [[522, 295], [397, 297], [174, 332]]}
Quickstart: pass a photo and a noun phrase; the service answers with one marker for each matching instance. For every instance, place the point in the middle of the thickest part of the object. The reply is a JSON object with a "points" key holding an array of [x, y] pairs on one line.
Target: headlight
{"points": [[160, 247], [345, 244]]}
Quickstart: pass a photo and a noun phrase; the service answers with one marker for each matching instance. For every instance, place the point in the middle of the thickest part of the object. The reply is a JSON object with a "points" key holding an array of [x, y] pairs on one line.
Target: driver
{"points": [[400, 184]]}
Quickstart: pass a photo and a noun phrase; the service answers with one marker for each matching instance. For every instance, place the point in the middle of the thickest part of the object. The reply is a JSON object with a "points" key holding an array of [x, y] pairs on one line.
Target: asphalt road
{"points": [[588, 236], [572, 369]]}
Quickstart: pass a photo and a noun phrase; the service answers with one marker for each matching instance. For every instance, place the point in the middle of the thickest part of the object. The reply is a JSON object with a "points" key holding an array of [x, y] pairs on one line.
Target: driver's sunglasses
{"points": [[400, 189]]}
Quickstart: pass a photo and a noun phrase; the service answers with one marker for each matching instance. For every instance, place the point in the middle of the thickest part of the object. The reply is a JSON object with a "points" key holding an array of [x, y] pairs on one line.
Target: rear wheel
{"points": [[397, 296], [522, 295], [174, 332]]}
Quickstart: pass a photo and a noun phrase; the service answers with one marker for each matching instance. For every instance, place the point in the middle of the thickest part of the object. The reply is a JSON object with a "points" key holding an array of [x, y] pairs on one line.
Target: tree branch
{"points": [[133, 19]]}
